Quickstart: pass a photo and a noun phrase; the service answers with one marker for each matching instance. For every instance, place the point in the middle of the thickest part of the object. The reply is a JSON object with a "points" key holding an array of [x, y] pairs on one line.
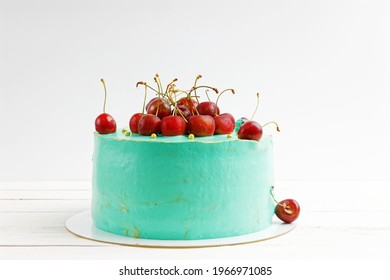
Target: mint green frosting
{"points": [[176, 188]]}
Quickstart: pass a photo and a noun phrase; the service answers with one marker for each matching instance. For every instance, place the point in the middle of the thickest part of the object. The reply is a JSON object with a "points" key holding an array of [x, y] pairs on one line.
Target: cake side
{"points": [[175, 188]]}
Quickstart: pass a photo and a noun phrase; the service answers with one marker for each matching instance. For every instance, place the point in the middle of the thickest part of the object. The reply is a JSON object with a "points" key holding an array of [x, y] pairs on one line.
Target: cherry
{"points": [[173, 125], [149, 124], [182, 111], [105, 123], [250, 130], [189, 103], [230, 117], [287, 210], [159, 107], [224, 123], [150, 101], [133, 123], [208, 108], [201, 125]]}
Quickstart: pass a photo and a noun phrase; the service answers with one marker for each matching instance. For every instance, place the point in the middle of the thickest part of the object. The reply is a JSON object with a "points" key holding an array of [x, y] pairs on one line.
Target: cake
{"points": [[184, 171], [180, 188]]}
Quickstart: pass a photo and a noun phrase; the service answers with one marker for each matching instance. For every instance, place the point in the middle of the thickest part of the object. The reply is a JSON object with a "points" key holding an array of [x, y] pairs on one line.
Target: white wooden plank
{"points": [[42, 236], [27, 220], [46, 185], [44, 194], [43, 206], [282, 248]]}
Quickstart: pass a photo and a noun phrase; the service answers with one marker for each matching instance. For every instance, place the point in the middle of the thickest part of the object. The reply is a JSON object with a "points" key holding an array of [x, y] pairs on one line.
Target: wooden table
{"points": [[339, 220]]}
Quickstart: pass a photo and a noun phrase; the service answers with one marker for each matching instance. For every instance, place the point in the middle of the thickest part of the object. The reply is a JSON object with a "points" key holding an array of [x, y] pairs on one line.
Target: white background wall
{"points": [[322, 67]]}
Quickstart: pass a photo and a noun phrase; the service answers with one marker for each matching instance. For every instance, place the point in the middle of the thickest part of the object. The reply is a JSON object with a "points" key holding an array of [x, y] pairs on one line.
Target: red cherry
{"points": [[250, 130], [173, 125], [105, 124], [133, 123], [208, 108], [149, 124], [201, 125], [224, 124], [189, 103], [287, 210], [159, 106], [182, 111], [150, 101], [230, 116]]}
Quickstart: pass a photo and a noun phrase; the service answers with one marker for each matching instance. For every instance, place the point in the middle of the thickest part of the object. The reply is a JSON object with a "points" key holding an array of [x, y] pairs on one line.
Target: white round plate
{"points": [[82, 225]]}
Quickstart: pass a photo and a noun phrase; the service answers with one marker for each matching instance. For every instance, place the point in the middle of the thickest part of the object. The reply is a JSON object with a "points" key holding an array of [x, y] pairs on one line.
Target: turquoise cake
{"points": [[176, 188]]}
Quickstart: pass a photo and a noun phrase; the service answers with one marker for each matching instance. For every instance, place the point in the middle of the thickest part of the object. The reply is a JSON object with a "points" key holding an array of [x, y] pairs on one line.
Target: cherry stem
{"points": [[159, 82], [145, 84], [105, 95], [207, 95], [158, 85], [181, 114], [194, 87], [219, 95], [158, 105], [174, 80], [257, 104], [178, 110], [272, 122], [143, 106], [286, 207]]}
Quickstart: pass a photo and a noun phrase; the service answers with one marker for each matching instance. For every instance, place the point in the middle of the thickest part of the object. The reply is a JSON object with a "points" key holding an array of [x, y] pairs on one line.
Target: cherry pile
{"points": [[178, 112]]}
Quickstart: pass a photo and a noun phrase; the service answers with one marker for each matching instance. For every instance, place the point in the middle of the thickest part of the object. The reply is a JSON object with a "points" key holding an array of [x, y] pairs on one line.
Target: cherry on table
{"points": [[105, 123], [287, 210]]}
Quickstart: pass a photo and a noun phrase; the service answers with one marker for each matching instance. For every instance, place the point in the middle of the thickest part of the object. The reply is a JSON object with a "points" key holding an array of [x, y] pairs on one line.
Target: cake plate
{"points": [[82, 225]]}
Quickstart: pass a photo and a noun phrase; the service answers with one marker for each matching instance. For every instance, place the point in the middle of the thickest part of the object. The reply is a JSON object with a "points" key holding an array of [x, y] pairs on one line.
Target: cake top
{"points": [[177, 112]]}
